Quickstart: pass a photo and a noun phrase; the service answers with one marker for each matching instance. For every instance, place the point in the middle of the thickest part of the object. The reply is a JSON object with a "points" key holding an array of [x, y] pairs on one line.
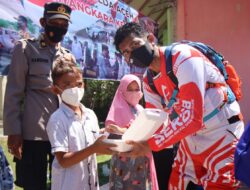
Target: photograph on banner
{"points": [[90, 35]]}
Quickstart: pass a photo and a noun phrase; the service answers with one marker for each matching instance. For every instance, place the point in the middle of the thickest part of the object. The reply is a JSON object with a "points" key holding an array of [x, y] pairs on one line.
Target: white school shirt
{"points": [[67, 132]]}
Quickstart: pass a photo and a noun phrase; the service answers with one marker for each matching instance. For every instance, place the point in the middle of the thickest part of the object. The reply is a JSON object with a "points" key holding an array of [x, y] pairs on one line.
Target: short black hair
{"points": [[126, 30], [62, 66]]}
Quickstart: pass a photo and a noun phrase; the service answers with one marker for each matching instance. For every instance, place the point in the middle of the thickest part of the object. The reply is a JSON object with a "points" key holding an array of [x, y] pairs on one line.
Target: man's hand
{"points": [[15, 143], [139, 149]]}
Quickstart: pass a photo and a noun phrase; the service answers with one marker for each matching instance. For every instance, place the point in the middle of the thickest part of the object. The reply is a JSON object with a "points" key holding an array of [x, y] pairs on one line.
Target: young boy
{"points": [[71, 133]]}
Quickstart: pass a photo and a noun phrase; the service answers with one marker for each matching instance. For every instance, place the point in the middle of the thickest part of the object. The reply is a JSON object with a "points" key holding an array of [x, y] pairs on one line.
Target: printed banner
{"points": [[90, 35]]}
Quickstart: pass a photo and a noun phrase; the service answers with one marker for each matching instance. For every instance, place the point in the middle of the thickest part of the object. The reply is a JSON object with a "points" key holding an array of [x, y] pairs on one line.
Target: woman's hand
{"points": [[115, 129]]}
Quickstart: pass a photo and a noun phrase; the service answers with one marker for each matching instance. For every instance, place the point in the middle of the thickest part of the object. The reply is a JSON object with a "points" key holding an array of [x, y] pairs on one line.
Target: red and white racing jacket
{"points": [[193, 70]]}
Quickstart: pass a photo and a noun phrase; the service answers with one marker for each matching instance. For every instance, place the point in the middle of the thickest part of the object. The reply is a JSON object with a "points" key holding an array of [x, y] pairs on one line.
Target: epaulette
{"points": [[27, 40], [42, 42], [23, 42], [31, 39]]}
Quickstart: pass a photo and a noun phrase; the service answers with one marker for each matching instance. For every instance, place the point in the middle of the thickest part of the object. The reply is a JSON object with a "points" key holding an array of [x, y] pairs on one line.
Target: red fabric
{"points": [[234, 81], [205, 154], [189, 121], [189, 108], [205, 164]]}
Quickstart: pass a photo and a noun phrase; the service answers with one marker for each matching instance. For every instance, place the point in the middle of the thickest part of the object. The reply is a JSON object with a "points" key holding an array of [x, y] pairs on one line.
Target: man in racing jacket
{"points": [[205, 154]]}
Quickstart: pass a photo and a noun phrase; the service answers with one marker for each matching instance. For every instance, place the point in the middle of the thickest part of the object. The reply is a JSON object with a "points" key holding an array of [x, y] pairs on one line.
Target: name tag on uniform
{"points": [[39, 60]]}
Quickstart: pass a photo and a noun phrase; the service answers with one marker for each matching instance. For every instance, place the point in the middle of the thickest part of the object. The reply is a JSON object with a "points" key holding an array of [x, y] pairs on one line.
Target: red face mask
{"points": [[133, 97]]}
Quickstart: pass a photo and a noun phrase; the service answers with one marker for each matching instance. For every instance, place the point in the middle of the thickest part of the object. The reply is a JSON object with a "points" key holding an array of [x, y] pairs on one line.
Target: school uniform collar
{"points": [[69, 112]]}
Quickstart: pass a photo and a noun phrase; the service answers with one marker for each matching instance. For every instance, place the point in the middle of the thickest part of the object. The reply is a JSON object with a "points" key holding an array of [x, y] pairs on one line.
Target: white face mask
{"points": [[73, 96]]}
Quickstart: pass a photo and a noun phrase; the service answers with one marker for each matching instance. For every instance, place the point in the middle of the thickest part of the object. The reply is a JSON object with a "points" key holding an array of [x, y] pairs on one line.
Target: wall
{"points": [[225, 25], [169, 32]]}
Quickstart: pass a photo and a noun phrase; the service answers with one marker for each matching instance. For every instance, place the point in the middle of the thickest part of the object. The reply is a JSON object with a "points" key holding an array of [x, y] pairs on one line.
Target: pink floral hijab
{"points": [[120, 111]]}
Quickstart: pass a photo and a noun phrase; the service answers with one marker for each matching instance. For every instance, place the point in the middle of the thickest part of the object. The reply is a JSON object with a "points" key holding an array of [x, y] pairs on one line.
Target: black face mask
{"points": [[54, 33], [142, 56]]}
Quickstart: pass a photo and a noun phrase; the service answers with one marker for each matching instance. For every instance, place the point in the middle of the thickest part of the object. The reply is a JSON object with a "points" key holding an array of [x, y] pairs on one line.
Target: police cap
{"points": [[55, 10]]}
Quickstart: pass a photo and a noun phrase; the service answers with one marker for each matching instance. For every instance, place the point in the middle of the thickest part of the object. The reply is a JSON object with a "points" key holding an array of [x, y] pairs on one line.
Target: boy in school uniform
{"points": [[71, 131]]}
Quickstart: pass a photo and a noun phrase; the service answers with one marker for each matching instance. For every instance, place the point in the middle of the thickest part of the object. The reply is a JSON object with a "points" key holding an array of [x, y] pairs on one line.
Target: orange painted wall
{"points": [[225, 25]]}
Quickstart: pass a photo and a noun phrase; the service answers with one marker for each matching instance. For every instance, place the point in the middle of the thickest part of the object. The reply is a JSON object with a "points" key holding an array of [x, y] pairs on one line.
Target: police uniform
{"points": [[29, 81]]}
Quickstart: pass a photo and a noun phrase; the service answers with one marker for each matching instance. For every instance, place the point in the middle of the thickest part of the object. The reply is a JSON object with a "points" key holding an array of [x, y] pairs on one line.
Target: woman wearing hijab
{"points": [[128, 173]]}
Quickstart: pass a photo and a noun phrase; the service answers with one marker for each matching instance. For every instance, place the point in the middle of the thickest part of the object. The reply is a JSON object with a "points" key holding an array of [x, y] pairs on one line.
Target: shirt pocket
{"points": [[39, 68], [39, 76]]}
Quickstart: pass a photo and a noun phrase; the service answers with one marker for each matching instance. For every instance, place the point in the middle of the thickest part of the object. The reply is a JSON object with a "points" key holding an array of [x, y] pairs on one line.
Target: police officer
{"points": [[28, 99]]}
